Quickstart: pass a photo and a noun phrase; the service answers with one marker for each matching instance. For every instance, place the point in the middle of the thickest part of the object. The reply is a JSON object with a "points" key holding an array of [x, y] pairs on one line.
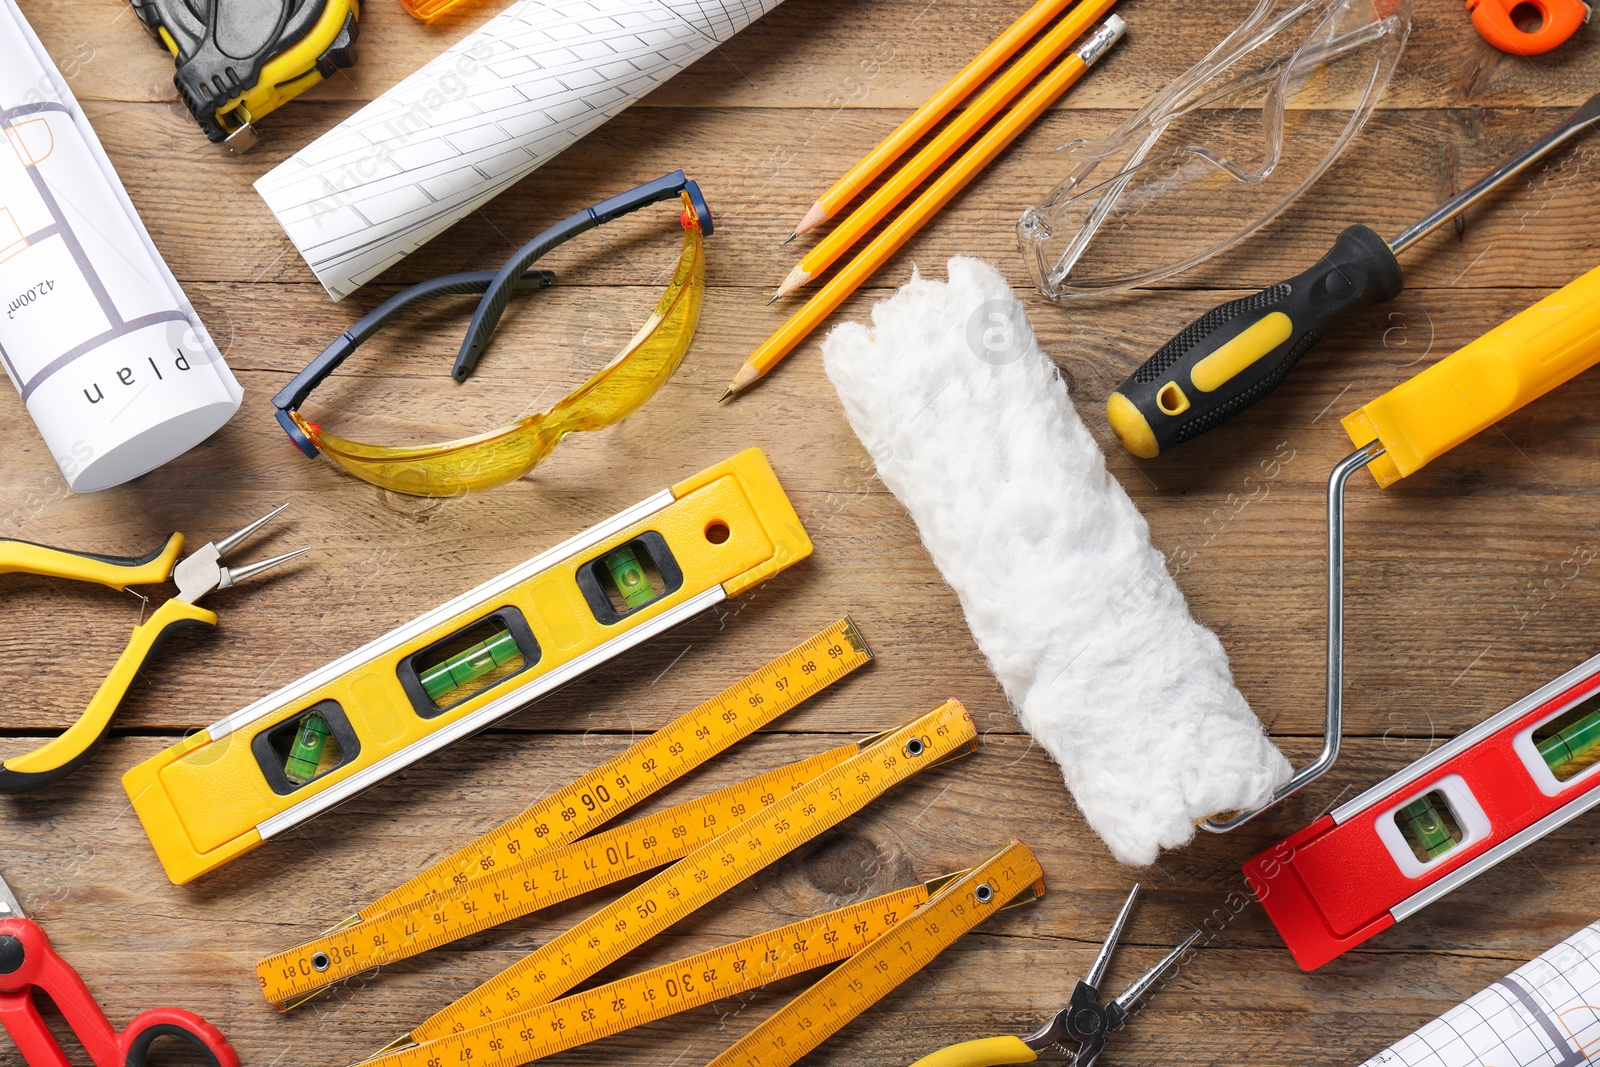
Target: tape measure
{"points": [[1012, 877], [1471, 803], [628, 922], [240, 59], [887, 938], [536, 859], [457, 669]]}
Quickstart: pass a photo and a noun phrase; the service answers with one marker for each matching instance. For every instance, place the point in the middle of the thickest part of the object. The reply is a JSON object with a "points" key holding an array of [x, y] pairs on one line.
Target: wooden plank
{"points": [[1480, 567], [1533, 234], [829, 55], [93, 882]]}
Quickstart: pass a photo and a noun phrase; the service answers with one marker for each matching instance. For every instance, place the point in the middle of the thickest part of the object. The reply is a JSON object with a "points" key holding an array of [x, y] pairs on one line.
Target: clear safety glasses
{"points": [[1220, 152], [609, 396]]}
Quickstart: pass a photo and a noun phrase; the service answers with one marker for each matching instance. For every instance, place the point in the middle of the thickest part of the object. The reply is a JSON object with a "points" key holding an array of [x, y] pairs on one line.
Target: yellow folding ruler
{"points": [[871, 974], [880, 942], [694, 881], [537, 858]]}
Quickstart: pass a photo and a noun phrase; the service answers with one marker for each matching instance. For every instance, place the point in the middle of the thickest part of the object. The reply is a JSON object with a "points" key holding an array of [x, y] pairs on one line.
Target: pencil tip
{"points": [[727, 394], [814, 218], [773, 297], [795, 279], [791, 237]]}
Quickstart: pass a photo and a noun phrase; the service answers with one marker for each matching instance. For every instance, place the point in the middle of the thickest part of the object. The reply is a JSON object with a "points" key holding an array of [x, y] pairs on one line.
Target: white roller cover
{"points": [[971, 428]]}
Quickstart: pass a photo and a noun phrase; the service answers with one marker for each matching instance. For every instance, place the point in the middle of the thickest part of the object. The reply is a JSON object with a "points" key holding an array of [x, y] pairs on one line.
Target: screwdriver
{"points": [[1237, 353]]}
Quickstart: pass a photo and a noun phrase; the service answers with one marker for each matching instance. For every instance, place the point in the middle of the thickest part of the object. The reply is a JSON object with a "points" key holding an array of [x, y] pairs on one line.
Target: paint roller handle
{"points": [[1516, 362], [1234, 355]]}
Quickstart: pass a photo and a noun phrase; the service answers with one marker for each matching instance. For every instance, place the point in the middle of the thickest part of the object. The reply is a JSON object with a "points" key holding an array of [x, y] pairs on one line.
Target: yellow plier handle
{"points": [[984, 1052], [118, 572], [62, 755]]}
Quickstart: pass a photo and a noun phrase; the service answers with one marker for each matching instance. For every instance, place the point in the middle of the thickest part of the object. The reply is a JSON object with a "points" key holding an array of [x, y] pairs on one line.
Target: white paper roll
{"points": [[1545, 1013], [112, 362], [482, 116]]}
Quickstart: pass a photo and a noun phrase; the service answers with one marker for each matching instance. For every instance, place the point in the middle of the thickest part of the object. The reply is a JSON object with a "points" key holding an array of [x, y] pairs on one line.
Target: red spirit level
{"points": [[1438, 824]]}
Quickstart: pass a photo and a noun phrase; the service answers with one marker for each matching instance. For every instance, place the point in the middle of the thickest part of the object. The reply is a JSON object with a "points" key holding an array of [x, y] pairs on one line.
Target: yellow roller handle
{"points": [[985, 1052], [1476, 386]]}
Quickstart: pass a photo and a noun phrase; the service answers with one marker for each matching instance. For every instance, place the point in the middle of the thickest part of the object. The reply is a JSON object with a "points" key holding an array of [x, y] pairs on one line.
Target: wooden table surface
{"points": [[1469, 584]]}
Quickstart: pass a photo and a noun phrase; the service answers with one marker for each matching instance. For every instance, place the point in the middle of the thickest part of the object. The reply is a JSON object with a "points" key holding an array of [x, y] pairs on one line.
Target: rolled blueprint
{"points": [[1543, 1014], [502, 102], [113, 364]]}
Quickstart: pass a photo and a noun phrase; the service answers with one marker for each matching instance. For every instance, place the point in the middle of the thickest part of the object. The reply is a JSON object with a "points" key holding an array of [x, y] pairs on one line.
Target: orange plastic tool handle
{"points": [[1558, 20]]}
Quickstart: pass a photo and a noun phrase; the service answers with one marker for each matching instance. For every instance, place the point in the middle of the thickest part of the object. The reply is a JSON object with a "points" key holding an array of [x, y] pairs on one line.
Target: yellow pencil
{"points": [[972, 119], [928, 115], [937, 195]]}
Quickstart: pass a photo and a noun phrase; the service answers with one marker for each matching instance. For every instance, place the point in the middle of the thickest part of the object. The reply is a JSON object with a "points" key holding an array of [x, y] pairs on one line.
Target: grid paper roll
{"points": [[1546, 1013], [483, 115]]}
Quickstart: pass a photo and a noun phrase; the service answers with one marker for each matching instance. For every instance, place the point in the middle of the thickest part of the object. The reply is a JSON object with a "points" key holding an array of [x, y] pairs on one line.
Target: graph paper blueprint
{"points": [[480, 117], [1546, 1013]]}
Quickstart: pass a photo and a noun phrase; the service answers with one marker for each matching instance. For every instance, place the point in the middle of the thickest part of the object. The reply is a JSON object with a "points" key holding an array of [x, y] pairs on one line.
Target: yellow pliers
{"points": [[195, 576], [1084, 1019]]}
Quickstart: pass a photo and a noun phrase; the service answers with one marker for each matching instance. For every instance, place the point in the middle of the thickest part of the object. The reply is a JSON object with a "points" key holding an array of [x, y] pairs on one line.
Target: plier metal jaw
{"points": [[1084, 1020], [198, 574]]}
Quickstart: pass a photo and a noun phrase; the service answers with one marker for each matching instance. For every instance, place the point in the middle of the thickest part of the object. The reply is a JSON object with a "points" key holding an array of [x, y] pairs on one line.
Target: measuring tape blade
{"points": [[662, 758], [693, 982], [1012, 876], [699, 878], [543, 880]]}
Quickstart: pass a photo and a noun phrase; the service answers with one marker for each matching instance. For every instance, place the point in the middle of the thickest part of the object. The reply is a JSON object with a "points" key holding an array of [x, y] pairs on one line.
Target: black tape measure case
{"points": [[238, 60]]}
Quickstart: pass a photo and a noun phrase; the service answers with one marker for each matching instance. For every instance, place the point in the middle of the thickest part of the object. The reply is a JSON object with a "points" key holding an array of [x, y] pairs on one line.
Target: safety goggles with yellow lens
{"points": [[610, 395]]}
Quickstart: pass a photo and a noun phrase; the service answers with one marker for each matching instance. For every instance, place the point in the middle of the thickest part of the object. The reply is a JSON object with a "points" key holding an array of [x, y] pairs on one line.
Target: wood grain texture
{"points": [[1469, 584]]}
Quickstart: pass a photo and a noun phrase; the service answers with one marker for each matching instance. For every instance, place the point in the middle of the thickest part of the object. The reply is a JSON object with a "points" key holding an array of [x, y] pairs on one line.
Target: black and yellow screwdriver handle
{"points": [[1234, 355], [62, 755]]}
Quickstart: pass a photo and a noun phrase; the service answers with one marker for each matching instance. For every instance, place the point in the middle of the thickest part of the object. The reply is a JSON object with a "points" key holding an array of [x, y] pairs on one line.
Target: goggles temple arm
{"points": [[291, 396], [489, 310]]}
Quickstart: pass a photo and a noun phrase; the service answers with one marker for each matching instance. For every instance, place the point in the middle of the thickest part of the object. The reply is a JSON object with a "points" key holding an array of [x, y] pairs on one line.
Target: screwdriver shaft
{"points": [[1580, 120]]}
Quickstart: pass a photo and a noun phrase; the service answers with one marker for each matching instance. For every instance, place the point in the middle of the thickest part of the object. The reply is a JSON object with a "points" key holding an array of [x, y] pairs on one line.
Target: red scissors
{"points": [[27, 962]]}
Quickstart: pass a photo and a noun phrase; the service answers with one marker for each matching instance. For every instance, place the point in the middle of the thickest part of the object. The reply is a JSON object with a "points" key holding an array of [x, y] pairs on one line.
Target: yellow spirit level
{"points": [[457, 669]]}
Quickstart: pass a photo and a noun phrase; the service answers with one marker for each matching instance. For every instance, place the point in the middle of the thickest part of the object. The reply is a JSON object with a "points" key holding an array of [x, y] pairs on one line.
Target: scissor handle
{"points": [[984, 1052], [28, 961], [118, 572], [134, 1042], [60, 756]]}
